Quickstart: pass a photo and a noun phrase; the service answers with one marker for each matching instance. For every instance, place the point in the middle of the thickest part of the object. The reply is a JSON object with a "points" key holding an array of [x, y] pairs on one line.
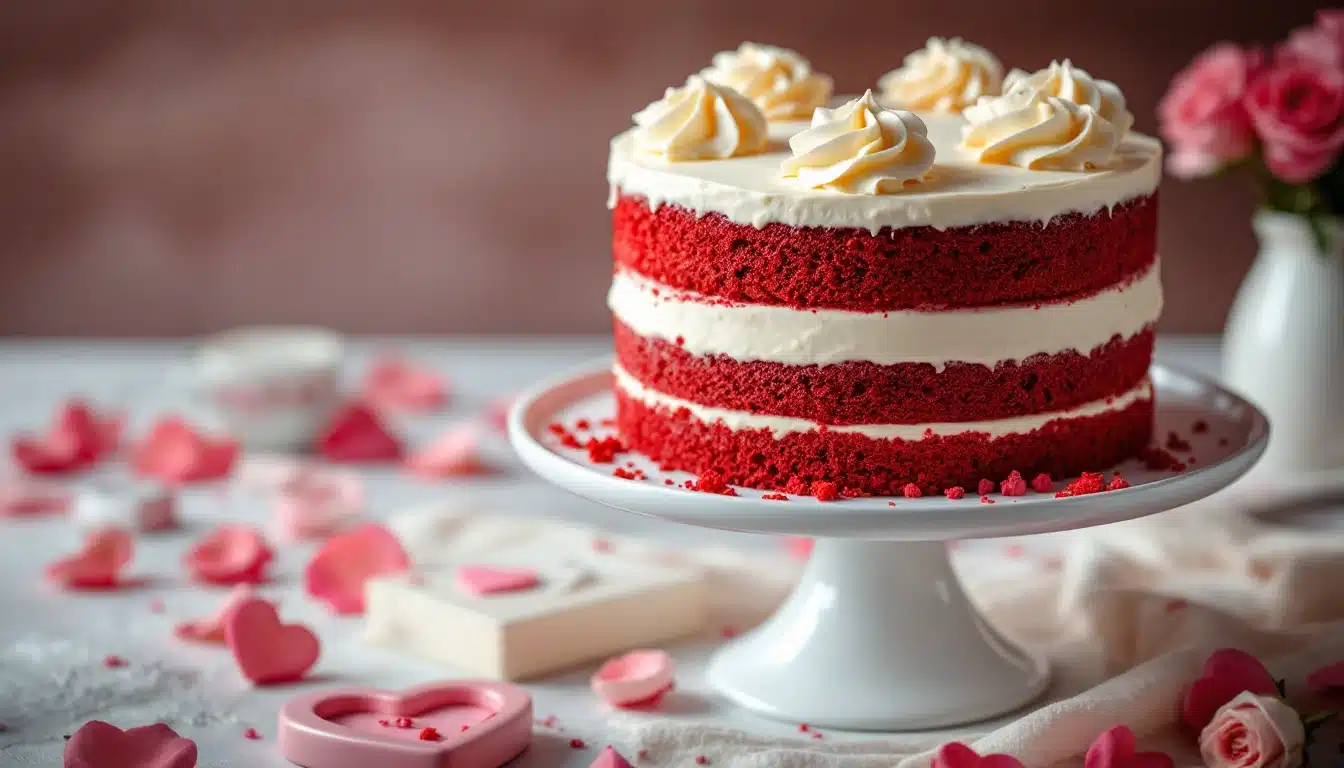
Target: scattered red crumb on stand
{"points": [[1089, 482], [985, 487], [986, 500], [712, 482], [604, 450], [852, 493], [430, 734], [251, 733], [825, 490], [955, 492], [113, 662], [582, 425], [1158, 459], [1176, 443], [911, 491], [404, 722], [1014, 485], [1199, 427], [774, 497], [797, 486], [701, 760], [577, 743], [1117, 483], [1042, 483]]}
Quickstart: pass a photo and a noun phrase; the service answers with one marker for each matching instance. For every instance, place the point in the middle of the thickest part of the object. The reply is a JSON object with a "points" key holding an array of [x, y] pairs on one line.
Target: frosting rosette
{"points": [[1031, 129], [1065, 81], [943, 76], [777, 80], [700, 121], [861, 148]]}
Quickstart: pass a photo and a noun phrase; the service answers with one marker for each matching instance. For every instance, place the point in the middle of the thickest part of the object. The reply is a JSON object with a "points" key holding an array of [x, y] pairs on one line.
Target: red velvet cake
{"points": [[880, 297]]}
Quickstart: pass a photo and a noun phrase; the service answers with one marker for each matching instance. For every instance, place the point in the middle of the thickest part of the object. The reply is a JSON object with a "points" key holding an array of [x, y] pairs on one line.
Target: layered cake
{"points": [[937, 283]]}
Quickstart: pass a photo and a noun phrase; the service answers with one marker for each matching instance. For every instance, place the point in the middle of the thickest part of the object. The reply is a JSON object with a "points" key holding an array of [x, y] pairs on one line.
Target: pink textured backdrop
{"points": [[179, 166]]}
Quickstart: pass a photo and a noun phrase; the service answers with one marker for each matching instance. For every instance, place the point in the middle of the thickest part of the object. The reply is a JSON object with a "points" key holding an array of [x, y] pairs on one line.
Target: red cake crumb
{"points": [[251, 733], [911, 491], [797, 486], [955, 492], [1042, 483], [986, 500], [712, 482], [1175, 443], [608, 423], [1014, 485], [464, 728], [825, 490], [867, 393], [774, 497], [385, 723], [1158, 459], [901, 268], [1089, 482], [891, 503], [853, 493], [1117, 483], [404, 722], [1199, 427], [984, 487], [624, 473], [577, 743], [604, 450], [759, 459], [557, 429], [582, 425], [429, 734], [668, 481]]}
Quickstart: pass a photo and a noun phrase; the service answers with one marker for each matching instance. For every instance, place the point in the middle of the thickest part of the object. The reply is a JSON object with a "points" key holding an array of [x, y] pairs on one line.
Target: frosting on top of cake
{"points": [[860, 148], [779, 81], [943, 76], [958, 191], [699, 121]]}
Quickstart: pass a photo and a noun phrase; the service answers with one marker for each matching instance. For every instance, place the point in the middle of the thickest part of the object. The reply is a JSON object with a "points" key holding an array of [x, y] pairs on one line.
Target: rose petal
{"points": [[455, 453], [233, 553], [637, 678], [394, 383], [1227, 673], [176, 453], [356, 434], [23, 496], [211, 629], [99, 745], [98, 564], [337, 573]]}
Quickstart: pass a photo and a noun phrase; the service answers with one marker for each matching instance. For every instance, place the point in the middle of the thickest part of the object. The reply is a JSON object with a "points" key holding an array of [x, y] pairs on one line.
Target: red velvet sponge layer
{"points": [[907, 393], [754, 458], [905, 268]]}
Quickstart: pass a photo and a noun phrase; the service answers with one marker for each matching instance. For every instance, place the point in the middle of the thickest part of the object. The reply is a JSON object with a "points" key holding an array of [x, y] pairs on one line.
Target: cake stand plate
{"points": [[878, 634]]}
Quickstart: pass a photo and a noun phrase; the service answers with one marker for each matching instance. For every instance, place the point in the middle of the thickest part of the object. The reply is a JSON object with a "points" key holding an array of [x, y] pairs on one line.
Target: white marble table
{"points": [[52, 644]]}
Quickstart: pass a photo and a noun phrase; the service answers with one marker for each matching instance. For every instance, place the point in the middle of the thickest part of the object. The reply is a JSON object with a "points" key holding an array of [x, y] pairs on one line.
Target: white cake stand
{"points": [[878, 634]]}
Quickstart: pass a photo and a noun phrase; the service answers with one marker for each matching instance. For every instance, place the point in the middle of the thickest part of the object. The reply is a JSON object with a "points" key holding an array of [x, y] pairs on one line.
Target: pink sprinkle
{"points": [[1042, 483], [577, 743], [156, 606], [985, 487], [1014, 485], [112, 662], [251, 733]]}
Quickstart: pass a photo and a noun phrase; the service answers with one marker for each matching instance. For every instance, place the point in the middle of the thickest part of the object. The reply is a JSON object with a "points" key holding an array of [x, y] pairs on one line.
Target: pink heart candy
{"points": [[634, 679], [490, 579], [98, 564], [233, 553], [212, 628], [1116, 748], [315, 503], [455, 453], [337, 573], [467, 723], [958, 755], [610, 758], [99, 745], [267, 651], [397, 384], [1227, 673], [175, 453]]}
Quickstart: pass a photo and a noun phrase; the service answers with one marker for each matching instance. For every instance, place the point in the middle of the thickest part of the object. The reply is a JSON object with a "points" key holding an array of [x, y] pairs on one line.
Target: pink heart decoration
{"points": [[315, 503], [212, 628], [24, 496], [634, 679], [1327, 678], [1227, 673], [98, 564], [958, 755], [341, 729], [356, 434], [490, 579], [267, 651], [455, 453], [231, 554], [99, 745], [396, 384], [175, 453], [610, 758], [337, 573], [77, 440], [1116, 748]]}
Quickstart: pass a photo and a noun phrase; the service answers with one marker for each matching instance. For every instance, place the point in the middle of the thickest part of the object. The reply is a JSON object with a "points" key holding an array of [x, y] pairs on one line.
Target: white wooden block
{"points": [[590, 604]]}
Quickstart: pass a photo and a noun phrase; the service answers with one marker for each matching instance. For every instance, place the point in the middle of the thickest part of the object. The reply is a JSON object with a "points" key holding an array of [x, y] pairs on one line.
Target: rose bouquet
{"points": [[1279, 113]]}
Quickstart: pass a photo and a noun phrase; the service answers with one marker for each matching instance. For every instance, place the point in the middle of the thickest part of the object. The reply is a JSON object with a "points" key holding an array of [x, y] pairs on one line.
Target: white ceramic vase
{"points": [[1284, 344]]}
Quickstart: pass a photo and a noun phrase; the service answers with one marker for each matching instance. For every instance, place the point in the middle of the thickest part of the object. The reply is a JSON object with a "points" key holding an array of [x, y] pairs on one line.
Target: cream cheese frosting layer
{"points": [[784, 425], [958, 192], [759, 332]]}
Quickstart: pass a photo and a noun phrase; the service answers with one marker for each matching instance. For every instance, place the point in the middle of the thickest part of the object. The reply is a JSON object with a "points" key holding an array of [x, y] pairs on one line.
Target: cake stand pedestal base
{"points": [[877, 636]]}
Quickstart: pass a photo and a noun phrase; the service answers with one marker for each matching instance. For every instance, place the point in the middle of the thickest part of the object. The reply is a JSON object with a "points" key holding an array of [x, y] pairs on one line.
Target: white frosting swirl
{"points": [[943, 76], [1032, 130], [1065, 81], [861, 148], [700, 121], [777, 80]]}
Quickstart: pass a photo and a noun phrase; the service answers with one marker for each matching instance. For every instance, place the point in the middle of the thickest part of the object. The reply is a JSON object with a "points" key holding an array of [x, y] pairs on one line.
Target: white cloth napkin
{"points": [[1128, 621]]}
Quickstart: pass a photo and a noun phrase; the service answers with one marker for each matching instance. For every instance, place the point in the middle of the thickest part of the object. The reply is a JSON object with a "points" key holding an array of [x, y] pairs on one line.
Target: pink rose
{"points": [[1321, 43], [1298, 110], [1202, 116], [1253, 732]]}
